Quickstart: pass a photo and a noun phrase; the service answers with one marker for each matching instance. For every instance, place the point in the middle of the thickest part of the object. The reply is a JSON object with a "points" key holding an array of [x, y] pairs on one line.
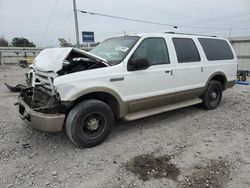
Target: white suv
{"points": [[128, 77]]}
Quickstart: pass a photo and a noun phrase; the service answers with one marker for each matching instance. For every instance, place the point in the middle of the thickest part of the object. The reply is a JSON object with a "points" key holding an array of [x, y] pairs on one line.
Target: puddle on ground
{"points": [[214, 174], [150, 167]]}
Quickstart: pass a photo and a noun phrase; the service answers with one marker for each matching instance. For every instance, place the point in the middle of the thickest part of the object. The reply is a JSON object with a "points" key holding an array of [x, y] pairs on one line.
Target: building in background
{"points": [[241, 46]]}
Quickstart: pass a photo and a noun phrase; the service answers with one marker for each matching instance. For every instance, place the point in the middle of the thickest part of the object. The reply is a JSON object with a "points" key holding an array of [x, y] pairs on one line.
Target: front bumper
{"points": [[41, 121]]}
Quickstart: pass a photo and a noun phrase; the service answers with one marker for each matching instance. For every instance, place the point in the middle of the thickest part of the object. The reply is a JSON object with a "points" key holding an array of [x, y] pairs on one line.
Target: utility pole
{"points": [[1, 58], [230, 33], [76, 24]]}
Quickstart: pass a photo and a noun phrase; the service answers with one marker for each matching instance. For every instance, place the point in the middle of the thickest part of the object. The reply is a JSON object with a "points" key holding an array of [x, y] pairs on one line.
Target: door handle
{"points": [[169, 71]]}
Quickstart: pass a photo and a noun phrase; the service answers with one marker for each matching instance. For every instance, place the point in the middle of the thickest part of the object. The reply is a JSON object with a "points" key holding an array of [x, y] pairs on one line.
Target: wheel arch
{"points": [[106, 95], [220, 77]]}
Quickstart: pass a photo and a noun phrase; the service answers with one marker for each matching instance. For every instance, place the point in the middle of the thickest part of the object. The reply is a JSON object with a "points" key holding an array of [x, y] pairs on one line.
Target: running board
{"points": [[161, 109]]}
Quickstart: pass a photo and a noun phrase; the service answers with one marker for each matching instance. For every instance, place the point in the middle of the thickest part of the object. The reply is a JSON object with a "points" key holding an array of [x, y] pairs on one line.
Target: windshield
{"points": [[114, 50]]}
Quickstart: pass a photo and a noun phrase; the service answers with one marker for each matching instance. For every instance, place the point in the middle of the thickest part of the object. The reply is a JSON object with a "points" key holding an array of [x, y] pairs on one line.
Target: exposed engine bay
{"points": [[40, 93], [71, 65], [76, 62], [67, 60]]}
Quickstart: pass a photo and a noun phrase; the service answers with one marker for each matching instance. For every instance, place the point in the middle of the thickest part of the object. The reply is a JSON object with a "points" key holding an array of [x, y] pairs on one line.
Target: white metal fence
{"points": [[10, 55]]}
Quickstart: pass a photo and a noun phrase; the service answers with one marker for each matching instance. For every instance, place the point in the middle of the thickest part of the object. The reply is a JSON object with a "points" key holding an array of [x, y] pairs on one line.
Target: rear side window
{"points": [[186, 50], [216, 49]]}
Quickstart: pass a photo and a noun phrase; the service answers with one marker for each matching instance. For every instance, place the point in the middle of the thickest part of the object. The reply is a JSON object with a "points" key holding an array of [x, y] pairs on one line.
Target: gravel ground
{"points": [[190, 147]]}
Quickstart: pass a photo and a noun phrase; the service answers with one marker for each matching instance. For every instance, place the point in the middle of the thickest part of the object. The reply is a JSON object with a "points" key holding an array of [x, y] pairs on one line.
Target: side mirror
{"points": [[138, 64]]}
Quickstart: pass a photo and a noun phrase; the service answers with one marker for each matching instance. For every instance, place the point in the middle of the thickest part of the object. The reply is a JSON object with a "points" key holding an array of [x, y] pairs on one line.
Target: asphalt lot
{"points": [[189, 147]]}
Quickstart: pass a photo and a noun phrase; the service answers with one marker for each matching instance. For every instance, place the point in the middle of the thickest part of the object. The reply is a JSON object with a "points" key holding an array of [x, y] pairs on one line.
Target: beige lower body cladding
{"points": [[41, 121]]}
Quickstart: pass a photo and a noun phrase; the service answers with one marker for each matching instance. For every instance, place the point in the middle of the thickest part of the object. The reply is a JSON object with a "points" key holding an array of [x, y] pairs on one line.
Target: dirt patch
{"points": [[214, 174], [150, 167]]}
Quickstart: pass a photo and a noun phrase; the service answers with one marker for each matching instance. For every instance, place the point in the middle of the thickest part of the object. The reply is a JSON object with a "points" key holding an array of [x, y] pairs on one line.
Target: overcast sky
{"points": [[46, 20]]}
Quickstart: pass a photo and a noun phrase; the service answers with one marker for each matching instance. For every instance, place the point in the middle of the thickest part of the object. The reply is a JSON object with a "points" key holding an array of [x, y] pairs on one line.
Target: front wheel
{"points": [[212, 96], [89, 123]]}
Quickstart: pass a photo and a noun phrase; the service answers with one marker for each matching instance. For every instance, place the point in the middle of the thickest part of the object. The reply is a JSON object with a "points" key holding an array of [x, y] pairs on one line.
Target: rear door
{"points": [[188, 69]]}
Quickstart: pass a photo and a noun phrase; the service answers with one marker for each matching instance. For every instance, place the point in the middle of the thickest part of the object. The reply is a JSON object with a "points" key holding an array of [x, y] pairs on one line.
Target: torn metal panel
{"points": [[40, 100], [52, 59], [17, 88]]}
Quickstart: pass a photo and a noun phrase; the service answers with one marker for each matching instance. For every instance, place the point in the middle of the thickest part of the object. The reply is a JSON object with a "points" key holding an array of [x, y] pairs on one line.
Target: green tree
{"points": [[3, 42], [22, 42]]}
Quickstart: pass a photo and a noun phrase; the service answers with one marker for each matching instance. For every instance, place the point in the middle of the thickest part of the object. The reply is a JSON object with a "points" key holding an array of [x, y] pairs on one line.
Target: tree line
{"points": [[16, 42]]}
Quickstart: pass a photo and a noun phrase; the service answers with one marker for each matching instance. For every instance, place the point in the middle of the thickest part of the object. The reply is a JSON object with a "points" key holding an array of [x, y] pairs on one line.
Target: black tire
{"points": [[243, 78], [212, 96], [86, 114]]}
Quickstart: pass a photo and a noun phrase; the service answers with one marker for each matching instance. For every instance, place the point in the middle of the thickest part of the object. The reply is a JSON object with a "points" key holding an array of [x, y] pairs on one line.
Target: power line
{"points": [[177, 2], [151, 22], [221, 18], [160, 9], [65, 20], [187, 5], [191, 6], [48, 23], [127, 19]]}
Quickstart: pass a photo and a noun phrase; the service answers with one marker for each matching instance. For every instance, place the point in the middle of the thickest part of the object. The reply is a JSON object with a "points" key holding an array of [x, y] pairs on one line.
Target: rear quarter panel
{"points": [[227, 67]]}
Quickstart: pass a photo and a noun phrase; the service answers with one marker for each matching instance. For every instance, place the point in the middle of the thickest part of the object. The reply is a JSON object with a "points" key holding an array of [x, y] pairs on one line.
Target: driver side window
{"points": [[154, 50]]}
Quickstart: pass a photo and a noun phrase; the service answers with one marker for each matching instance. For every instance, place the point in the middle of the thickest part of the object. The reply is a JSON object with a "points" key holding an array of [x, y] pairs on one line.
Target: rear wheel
{"points": [[212, 96], [89, 123]]}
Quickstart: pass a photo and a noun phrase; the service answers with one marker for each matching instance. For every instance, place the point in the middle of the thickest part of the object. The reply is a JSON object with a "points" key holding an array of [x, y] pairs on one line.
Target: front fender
{"points": [[74, 91]]}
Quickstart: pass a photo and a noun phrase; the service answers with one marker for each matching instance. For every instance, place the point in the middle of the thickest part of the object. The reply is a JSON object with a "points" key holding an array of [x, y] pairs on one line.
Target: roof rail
{"points": [[171, 32]]}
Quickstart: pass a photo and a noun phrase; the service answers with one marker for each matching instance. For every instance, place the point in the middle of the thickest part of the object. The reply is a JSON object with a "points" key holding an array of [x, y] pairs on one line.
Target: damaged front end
{"points": [[38, 99], [39, 104], [47, 117]]}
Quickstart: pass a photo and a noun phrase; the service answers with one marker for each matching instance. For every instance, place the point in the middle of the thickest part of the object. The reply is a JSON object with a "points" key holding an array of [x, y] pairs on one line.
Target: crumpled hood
{"points": [[51, 59]]}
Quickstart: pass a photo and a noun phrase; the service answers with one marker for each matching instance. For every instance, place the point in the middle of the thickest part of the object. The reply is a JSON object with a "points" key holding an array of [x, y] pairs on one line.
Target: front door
{"points": [[148, 88]]}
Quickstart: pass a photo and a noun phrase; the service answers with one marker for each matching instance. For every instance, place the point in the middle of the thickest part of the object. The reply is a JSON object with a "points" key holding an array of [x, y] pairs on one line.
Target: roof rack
{"points": [[171, 32]]}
